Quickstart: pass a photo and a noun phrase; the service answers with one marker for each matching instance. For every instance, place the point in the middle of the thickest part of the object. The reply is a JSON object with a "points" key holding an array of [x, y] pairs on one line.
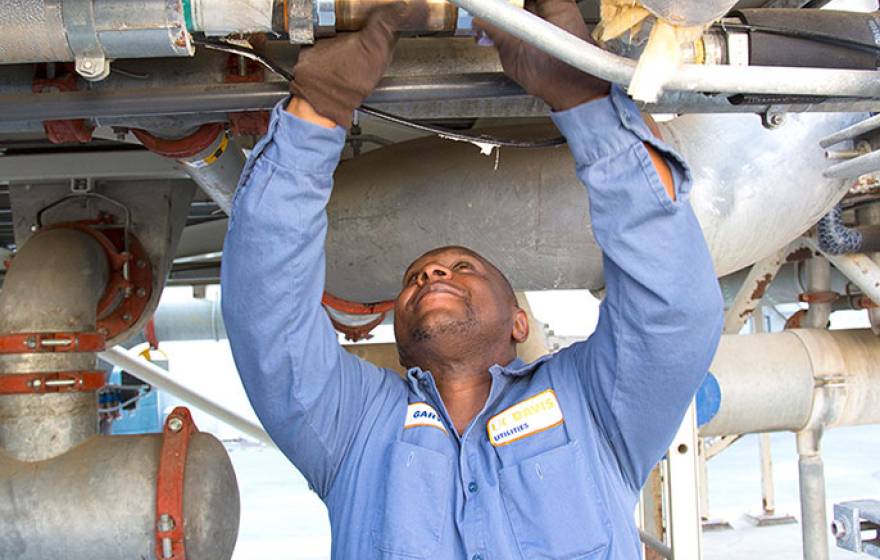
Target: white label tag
{"points": [[525, 418], [422, 414]]}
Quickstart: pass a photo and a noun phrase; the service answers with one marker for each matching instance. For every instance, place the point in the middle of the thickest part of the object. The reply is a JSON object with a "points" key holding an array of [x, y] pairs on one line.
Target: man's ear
{"points": [[520, 330]]}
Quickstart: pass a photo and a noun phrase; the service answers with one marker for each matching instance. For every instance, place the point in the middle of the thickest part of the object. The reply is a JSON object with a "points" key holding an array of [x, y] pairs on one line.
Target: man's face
{"points": [[451, 296]]}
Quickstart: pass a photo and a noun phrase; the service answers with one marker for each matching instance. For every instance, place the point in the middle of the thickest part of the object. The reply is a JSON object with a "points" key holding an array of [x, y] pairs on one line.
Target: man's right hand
{"points": [[336, 75], [561, 86]]}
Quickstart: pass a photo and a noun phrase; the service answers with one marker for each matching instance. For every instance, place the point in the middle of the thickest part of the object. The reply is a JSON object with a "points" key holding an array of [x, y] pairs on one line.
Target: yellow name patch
{"points": [[422, 414], [525, 418]]}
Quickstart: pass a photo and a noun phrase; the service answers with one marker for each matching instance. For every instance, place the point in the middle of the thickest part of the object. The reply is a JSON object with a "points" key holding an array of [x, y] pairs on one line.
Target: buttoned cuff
{"points": [[300, 145]]}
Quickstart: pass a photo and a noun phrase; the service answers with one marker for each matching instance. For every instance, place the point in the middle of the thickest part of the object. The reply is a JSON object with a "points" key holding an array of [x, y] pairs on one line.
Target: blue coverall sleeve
{"points": [[312, 396], [660, 320]]}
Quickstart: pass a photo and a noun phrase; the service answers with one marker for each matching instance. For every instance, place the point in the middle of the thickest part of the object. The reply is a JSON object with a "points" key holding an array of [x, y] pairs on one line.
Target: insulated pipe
{"points": [[54, 285], [593, 60], [99, 501], [767, 381], [467, 200], [210, 155], [161, 379]]}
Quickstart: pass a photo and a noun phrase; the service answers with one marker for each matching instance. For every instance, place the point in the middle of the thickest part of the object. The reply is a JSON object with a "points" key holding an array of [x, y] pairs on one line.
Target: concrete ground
{"points": [[283, 520]]}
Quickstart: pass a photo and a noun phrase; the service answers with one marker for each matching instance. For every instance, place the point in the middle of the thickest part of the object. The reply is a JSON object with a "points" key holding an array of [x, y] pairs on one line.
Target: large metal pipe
{"points": [[99, 501], [768, 382], [54, 285], [468, 201]]}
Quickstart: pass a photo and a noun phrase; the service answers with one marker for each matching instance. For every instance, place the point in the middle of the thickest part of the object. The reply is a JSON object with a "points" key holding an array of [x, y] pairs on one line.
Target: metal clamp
{"points": [[34, 343], [851, 519], [179, 427], [300, 22], [51, 382], [82, 38]]}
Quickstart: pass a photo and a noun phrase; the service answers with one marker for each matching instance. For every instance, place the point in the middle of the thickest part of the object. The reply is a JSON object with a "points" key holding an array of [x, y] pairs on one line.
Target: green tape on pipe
{"points": [[187, 15]]}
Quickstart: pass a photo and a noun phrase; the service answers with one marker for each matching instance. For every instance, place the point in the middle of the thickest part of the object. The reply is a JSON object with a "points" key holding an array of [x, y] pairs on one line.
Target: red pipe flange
{"points": [[181, 148], [179, 428], [131, 276], [34, 342]]}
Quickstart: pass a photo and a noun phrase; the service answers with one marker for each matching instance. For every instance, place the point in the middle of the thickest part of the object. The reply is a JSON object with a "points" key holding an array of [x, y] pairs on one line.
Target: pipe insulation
{"points": [[768, 381], [224, 17], [99, 501], [466, 200], [54, 285]]}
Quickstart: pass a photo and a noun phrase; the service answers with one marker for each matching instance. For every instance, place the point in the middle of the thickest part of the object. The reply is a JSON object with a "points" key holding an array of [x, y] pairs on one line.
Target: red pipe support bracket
{"points": [[61, 131], [30, 343], [179, 427], [125, 299], [54, 382], [181, 148], [355, 308]]}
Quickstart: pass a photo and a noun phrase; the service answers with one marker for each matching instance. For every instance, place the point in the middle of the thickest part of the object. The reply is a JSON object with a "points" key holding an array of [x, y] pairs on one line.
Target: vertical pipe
{"points": [[54, 285], [818, 281], [768, 497], [811, 470]]}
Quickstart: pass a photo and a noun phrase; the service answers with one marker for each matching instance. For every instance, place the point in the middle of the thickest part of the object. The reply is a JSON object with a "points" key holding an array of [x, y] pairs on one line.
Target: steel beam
{"points": [[94, 165]]}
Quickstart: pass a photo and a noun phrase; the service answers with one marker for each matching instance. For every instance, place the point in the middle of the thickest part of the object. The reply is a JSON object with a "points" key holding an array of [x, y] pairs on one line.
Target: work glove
{"points": [[560, 86], [336, 75]]}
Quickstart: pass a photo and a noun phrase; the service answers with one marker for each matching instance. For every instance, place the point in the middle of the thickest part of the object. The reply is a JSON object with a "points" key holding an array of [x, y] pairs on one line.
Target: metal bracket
{"points": [[82, 38], [301, 22], [32, 343], [51, 382], [179, 427], [852, 520]]}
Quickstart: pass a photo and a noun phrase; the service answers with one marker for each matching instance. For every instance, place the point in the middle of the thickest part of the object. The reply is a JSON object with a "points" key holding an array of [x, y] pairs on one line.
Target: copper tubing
{"points": [[442, 15]]}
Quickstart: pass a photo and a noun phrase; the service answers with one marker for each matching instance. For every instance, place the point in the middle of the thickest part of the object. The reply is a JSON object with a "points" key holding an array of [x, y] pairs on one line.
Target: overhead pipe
{"points": [[617, 69]]}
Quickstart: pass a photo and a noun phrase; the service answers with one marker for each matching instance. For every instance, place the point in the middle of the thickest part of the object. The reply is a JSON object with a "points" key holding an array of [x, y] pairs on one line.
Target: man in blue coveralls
{"points": [[474, 454]]}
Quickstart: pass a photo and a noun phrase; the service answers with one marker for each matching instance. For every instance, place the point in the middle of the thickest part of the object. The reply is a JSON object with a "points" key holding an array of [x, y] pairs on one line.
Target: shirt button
{"points": [[472, 487], [477, 557]]}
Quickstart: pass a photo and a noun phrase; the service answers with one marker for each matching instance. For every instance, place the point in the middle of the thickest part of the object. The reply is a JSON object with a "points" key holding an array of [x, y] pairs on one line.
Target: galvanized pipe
{"points": [[54, 285], [99, 501], [811, 484], [818, 282], [593, 60]]}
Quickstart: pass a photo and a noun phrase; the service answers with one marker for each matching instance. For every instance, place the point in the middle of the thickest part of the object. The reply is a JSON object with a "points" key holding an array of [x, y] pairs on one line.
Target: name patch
{"points": [[525, 418], [422, 414]]}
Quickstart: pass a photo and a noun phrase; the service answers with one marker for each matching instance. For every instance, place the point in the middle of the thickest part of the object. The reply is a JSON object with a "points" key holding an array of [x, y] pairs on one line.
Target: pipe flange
{"points": [[181, 148], [179, 428], [131, 276], [51, 382], [324, 17], [35, 343]]}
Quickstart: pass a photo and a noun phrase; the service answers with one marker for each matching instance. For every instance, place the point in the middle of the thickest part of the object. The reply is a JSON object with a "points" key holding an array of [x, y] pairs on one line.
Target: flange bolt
{"points": [[175, 424]]}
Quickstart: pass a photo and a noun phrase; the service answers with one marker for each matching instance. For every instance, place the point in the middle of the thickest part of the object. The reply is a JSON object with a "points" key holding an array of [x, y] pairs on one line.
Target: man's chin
{"points": [[440, 328]]}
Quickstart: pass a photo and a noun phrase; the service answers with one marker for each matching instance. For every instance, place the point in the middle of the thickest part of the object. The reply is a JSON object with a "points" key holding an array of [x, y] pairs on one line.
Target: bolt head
{"points": [[141, 263], [104, 331], [175, 424], [126, 317], [141, 292]]}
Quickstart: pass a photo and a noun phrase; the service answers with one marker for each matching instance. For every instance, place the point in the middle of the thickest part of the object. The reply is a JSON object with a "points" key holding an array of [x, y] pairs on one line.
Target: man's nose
{"points": [[433, 271]]}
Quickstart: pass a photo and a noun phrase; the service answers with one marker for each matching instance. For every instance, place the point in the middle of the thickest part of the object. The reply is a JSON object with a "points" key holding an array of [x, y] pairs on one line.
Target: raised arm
{"points": [[660, 321], [313, 397]]}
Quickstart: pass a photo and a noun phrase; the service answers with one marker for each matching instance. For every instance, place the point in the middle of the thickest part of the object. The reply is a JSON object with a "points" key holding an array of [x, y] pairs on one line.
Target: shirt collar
{"points": [[420, 380]]}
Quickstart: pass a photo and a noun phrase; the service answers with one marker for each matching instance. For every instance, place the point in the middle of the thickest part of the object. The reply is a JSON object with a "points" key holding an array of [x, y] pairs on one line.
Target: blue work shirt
{"points": [[551, 467]]}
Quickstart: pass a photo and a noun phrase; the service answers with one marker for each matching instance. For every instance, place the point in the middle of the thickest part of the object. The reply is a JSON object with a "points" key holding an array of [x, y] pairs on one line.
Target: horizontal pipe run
{"points": [[617, 69], [161, 379]]}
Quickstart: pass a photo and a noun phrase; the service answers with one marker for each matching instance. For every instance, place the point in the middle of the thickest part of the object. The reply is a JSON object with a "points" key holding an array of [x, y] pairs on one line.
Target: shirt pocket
{"points": [[418, 491], [554, 506]]}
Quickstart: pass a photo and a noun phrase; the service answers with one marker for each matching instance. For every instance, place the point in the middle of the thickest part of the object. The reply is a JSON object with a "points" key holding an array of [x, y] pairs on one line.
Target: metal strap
{"points": [[82, 38], [179, 427], [35, 343], [51, 382]]}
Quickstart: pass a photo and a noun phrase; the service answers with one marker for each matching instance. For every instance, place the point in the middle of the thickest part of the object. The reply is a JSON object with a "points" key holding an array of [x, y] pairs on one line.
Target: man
{"points": [[475, 454]]}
